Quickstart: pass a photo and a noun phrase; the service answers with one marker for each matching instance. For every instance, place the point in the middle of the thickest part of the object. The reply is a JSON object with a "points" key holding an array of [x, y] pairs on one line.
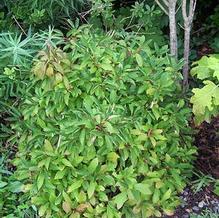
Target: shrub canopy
{"points": [[104, 133]]}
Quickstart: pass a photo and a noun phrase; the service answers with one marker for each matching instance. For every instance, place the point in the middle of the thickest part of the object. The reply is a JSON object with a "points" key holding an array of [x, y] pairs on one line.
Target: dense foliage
{"points": [[96, 124], [104, 133]]}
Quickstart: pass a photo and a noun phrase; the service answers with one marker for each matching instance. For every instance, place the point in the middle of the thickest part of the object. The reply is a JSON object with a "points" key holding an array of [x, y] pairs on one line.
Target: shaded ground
{"points": [[207, 142]]}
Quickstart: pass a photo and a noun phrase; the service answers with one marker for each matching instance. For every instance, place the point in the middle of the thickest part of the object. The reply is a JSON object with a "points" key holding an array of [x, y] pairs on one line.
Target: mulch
{"points": [[207, 142]]}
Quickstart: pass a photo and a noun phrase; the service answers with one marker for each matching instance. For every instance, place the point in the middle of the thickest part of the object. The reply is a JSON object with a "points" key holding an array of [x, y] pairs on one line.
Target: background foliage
{"points": [[40, 13]]}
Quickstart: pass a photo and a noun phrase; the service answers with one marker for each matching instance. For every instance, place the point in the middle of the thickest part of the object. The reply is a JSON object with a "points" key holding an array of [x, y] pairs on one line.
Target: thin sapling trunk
{"points": [[188, 20]]}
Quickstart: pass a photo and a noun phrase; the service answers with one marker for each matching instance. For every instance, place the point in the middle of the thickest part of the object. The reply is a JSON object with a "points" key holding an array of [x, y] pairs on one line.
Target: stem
{"points": [[161, 6], [19, 25], [172, 26], [188, 19], [186, 55]]}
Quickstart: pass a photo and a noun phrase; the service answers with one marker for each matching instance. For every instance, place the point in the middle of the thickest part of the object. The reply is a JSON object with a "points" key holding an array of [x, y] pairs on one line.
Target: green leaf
{"points": [[66, 83], [93, 165], [157, 213], [15, 187], [3, 184], [91, 189], [66, 162], [153, 160], [120, 199], [108, 180], [216, 74], [166, 195], [156, 196], [106, 66], [75, 215], [202, 71], [48, 146], [213, 63], [113, 96], [82, 197], [43, 209], [168, 212], [60, 174], [58, 68], [143, 188], [88, 103], [137, 132], [41, 123], [66, 197], [110, 128], [110, 212], [40, 180], [66, 98], [202, 98], [102, 196], [216, 189], [47, 162], [66, 206], [58, 78], [112, 156], [74, 186], [139, 60], [82, 136]]}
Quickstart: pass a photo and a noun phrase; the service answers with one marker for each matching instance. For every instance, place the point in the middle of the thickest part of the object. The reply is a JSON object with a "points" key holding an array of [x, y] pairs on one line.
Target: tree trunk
{"points": [[188, 19], [187, 32], [172, 26]]}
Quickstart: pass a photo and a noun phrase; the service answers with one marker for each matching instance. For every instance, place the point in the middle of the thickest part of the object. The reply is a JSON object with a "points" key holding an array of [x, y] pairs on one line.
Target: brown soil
{"points": [[207, 142]]}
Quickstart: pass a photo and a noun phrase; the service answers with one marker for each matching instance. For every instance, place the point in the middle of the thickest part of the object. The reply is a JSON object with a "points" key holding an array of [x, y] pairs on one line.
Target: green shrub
{"points": [[104, 131], [206, 99]]}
